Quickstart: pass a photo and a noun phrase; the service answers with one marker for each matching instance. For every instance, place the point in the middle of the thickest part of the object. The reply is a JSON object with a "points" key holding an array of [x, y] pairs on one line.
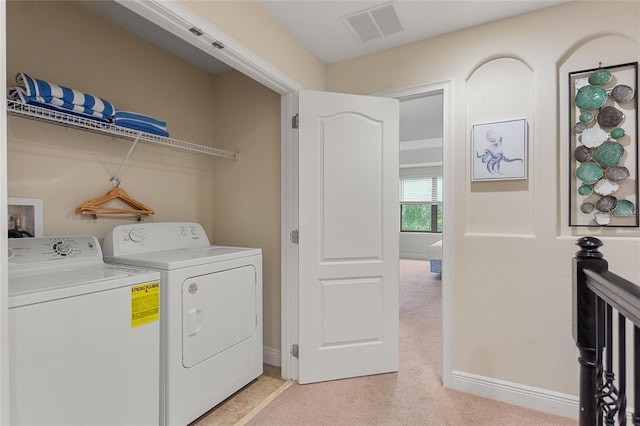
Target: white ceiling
{"points": [[319, 24], [421, 121]]}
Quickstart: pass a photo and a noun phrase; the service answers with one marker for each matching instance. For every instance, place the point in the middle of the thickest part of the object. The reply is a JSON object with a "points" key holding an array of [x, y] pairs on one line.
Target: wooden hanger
{"points": [[95, 206]]}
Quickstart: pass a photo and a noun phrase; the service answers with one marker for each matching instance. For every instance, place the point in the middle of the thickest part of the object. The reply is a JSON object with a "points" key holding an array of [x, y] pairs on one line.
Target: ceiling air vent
{"points": [[379, 21]]}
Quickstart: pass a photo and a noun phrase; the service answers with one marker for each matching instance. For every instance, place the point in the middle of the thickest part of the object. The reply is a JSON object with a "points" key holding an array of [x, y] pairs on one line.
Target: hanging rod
{"points": [[60, 118]]}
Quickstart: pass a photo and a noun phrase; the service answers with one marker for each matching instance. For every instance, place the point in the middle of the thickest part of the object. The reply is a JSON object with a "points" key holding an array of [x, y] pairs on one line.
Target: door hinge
{"points": [[294, 350], [295, 236], [295, 121]]}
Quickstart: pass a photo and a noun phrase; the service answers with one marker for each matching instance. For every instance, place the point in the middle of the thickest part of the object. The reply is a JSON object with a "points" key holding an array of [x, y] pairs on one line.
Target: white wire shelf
{"points": [[60, 118]]}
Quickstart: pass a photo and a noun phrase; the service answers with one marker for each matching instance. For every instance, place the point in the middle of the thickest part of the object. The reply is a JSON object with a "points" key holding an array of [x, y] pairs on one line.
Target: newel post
{"points": [[585, 326]]}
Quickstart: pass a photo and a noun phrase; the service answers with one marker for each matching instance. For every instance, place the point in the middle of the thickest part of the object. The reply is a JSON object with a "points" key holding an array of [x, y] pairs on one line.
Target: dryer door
{"points": [[218, 311]]}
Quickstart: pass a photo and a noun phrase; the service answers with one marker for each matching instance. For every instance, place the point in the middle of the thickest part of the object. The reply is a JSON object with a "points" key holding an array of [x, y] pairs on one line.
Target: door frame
{"points": [[447, 209], [177, 19], [4, 276]]}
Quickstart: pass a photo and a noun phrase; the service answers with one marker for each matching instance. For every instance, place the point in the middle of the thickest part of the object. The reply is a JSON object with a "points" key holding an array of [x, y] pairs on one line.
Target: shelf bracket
{"points": [[115, 181]]}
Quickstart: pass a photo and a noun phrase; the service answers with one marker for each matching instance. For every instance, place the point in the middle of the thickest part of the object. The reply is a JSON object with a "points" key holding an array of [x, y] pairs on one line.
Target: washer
{"points": [[210, 312], [84, 336]]}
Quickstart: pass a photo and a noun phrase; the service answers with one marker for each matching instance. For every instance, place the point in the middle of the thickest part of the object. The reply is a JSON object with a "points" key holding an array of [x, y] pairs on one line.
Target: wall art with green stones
{"points": [[603, 131]]}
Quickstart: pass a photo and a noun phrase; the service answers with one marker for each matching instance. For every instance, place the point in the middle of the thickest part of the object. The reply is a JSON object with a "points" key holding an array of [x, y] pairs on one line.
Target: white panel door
{"points": [[348, 235]]}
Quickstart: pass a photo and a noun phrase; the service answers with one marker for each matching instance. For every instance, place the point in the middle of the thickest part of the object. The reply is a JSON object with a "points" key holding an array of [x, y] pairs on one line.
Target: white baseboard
{"points": [[544, 400], [271, 356]]}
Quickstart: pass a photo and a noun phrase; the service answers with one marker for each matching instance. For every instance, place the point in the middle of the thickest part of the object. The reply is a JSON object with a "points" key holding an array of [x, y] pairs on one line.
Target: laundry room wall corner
{"points": [[246, 199]]}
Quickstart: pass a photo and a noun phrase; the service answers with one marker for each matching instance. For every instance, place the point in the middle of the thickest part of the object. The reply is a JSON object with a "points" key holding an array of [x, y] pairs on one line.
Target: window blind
{"points": [[425, 189]]}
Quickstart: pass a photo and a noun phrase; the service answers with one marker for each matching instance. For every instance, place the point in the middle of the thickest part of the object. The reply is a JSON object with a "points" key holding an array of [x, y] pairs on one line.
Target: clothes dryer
{"points": [[210, 315], [84, 337]]}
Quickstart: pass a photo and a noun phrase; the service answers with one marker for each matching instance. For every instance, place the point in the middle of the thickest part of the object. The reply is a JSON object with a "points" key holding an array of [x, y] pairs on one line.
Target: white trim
{"points": [[271, 356], [289, 250], [413, 165], [176, 18], [448, 260], [4, 280], [559, 404], [420, 144], [483, 235]]}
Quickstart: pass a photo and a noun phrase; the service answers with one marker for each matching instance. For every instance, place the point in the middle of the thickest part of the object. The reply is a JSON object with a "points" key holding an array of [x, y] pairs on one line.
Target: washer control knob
{"points": [[183, 232], [63, 248], [135, 236]]}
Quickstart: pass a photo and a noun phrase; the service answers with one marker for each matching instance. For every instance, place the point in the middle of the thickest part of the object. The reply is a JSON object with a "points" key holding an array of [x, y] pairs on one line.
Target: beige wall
{"points": [[246, 201], [511, 277], [67, 167], [238, 202], [251, 25]]}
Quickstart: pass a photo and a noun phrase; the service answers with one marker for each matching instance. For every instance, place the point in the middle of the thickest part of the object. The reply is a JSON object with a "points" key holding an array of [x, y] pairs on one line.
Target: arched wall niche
{"points": [[500, 89], [602, 50], [497, 58]]}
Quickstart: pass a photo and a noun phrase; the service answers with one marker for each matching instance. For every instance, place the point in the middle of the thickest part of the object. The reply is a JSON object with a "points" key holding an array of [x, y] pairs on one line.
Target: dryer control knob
{"points": [[135, 236]]}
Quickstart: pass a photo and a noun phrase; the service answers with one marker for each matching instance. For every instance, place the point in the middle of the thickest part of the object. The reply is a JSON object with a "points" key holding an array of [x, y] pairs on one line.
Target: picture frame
{"points": [[499, 150], [603, 181]]}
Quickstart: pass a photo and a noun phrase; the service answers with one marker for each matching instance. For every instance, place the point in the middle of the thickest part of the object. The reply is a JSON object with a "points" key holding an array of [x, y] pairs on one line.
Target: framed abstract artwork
{"points": [[499, 150], [603, 139]]}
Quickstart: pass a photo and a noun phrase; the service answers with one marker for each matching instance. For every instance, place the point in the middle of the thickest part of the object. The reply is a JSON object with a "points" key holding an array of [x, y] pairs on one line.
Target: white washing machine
{"points": [[210, 312], [84, 336]]}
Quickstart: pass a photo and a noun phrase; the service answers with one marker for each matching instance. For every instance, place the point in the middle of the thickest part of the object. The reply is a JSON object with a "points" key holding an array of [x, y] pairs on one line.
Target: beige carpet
{"points": [[414, 395]]}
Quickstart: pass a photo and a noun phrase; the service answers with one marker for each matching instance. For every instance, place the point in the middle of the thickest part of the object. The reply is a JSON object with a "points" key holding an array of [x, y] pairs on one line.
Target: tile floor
{"points": [[240, 407]]}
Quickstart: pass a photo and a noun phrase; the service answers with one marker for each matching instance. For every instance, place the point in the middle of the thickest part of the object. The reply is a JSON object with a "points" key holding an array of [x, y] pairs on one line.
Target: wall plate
{"points": [[29, 213]]}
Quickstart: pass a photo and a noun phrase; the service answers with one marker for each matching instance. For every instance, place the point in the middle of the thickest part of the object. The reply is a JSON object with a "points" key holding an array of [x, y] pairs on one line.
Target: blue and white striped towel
{"points": [[133, 120], [32, 89], [68, 111]]}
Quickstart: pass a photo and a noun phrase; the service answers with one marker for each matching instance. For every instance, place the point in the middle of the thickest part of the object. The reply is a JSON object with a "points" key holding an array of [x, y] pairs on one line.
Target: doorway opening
{"points": [[424, 150], [421, 183]]}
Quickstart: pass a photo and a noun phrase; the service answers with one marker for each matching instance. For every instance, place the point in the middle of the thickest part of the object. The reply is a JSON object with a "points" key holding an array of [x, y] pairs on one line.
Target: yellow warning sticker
{"points": [[145, 303]]}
